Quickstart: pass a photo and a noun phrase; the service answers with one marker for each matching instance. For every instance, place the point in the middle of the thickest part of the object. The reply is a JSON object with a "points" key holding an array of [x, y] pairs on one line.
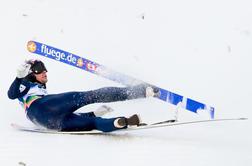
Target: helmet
{"points": [[37, 66]]}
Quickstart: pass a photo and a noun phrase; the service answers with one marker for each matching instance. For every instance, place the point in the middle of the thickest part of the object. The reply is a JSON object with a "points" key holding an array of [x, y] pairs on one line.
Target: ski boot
{"points": [[152, 91], [134, 120]]}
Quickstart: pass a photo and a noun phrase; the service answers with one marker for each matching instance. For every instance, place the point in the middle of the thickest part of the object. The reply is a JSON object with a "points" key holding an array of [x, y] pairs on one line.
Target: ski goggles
{"points": [[38, 67]]}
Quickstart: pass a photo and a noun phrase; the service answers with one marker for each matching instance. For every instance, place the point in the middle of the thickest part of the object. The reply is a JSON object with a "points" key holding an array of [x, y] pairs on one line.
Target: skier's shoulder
{"points": [[25, 83], [18, 88]]}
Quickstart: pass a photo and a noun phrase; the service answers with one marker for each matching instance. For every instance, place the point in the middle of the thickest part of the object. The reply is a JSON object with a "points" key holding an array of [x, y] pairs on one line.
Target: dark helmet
{"points": [[37, 66]]}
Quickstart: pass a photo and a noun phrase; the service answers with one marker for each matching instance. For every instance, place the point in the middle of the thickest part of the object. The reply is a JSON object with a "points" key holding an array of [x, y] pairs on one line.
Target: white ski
{"points": [[168, 123]]}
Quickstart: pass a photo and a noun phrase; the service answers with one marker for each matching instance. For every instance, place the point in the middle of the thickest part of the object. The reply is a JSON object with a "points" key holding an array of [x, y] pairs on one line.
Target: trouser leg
{"points": [[66, 103], [76, 122]]}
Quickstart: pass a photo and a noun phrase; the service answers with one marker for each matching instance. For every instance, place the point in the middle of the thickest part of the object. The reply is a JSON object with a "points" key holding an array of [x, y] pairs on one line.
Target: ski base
{"points": [[168, 123]]}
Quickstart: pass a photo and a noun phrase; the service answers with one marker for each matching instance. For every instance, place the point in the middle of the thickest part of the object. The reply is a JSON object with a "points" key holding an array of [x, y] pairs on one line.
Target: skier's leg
{"points": [[66, 103], [113, 94], [75, 122], [49, 111], [71, 101]]}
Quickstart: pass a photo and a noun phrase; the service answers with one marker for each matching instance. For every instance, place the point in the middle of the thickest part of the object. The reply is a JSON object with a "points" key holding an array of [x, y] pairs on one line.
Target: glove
{"points": [[23, 70]]}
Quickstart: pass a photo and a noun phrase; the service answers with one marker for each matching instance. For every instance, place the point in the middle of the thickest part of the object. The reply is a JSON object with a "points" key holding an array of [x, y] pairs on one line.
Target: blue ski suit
{"points": [[56, 111]]}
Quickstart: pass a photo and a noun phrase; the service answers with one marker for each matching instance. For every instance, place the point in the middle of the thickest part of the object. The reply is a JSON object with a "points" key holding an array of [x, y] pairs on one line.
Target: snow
{"points": [[200, 49]]}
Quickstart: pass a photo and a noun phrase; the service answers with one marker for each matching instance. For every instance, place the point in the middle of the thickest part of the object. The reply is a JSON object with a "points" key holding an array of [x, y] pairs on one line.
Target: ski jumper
{"points": [[56, 111]]}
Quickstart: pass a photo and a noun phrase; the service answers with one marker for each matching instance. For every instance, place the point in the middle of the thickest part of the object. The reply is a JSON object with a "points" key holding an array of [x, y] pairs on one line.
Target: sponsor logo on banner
{"points": [[80, 62], [31, 46], [91, 67]]}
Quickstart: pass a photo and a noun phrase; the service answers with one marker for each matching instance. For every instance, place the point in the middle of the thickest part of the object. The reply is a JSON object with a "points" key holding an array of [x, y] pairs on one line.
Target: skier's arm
{"points": [[18, 88]]}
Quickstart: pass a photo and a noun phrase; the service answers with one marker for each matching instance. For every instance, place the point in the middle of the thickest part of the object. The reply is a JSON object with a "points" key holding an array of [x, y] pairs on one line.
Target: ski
{"points": [[170, 123], [48, 131], [167, 123], [100, 70]]}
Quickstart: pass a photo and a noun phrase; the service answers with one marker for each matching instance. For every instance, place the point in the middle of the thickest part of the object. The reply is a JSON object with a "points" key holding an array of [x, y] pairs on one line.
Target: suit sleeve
{"points": [[18, 88]]}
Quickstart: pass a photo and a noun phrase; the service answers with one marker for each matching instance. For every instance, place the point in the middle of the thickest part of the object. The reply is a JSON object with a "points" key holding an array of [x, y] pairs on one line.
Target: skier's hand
{"points": [[23, 70]]}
